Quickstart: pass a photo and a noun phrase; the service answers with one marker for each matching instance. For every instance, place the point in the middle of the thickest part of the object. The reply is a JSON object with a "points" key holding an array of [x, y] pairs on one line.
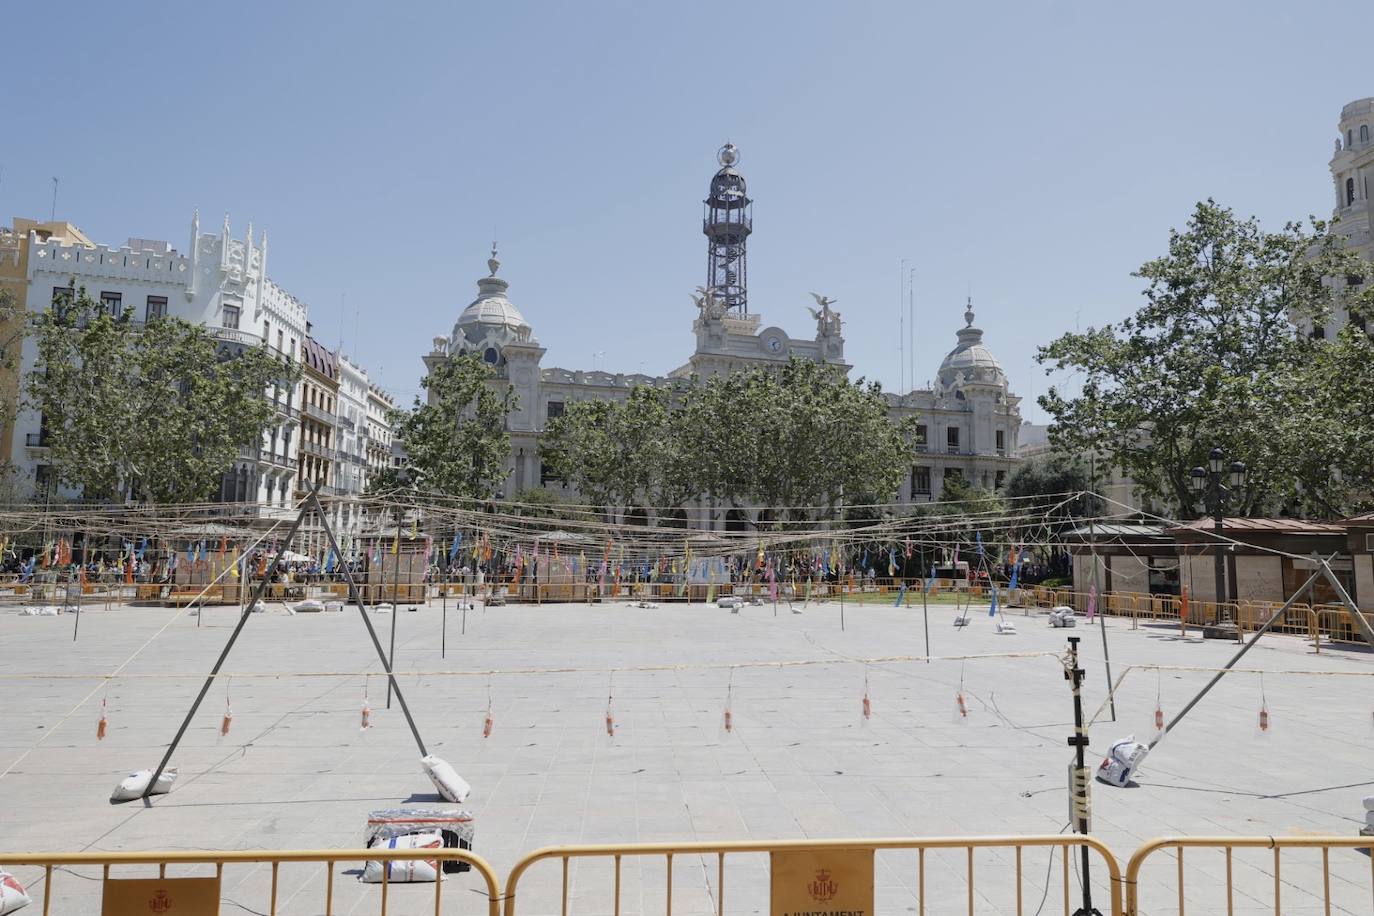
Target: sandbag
{"points": [[133, 785], [12, 894], [1006, 628], [43, 610], [1369, 818], [1062, 616], [454, 827], [382, 609], [333, 607], [445, 778], [404, 871], [1122, 761], [308, 606], [1369, 803], [727, 601]]}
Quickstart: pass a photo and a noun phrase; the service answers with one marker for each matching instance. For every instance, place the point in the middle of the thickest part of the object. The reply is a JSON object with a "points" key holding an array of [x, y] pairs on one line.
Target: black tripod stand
{"points": [[1079, 777]]}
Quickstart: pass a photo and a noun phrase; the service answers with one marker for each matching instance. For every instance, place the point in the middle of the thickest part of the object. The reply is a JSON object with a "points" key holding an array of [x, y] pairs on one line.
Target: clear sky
{"points": [[1034, 153]]}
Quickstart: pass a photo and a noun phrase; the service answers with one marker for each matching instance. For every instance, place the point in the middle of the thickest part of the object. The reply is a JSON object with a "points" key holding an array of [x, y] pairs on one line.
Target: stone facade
{"points": [[971, 418]]}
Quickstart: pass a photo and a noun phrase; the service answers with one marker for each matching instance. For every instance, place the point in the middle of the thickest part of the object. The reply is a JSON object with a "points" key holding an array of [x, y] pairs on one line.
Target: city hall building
{"points": [[968, 421]]}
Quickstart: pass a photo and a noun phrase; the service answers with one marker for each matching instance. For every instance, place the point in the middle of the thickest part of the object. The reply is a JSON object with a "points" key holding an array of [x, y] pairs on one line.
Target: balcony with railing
{"points": [[319, 413], [36, 440]]}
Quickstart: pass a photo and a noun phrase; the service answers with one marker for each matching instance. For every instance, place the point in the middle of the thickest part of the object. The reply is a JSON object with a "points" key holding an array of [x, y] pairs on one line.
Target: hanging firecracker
{"points": [[103, 724], [227, 720], [1264, 708], [868, 705], [367, 711], [959, 702], [610, 699]]}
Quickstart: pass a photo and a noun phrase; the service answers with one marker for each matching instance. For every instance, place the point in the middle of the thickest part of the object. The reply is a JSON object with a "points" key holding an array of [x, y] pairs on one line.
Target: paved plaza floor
{"points": [[296, 771]]}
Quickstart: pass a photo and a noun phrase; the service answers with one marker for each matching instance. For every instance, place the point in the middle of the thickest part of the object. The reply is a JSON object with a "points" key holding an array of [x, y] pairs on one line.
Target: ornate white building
{"points": [[222, 283], [1352, 173], [970, 417]]}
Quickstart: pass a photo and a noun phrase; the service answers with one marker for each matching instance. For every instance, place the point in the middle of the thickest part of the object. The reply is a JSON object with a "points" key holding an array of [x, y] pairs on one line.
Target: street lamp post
{"points": [[1209, 484]]}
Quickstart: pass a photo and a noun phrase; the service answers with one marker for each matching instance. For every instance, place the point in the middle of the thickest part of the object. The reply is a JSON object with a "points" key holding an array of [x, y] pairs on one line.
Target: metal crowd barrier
{"points": [[402, 898], [942, 874], [1264, 885], [975, 890]]}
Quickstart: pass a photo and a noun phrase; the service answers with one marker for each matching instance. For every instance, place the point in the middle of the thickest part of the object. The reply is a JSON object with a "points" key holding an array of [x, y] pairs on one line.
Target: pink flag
{"points": [[1092, 601]]}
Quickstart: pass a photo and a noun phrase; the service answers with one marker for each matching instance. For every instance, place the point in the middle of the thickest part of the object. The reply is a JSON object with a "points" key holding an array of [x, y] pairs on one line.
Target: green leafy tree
{"points": [[802, 436], [1053, 477], [1208, 360], [157, 411], [456, 441]]}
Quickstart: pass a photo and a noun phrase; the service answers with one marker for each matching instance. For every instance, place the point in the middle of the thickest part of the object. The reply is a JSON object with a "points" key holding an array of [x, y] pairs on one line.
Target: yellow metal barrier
{"points": [[410, 899], [713, 875], [1252, 891]]}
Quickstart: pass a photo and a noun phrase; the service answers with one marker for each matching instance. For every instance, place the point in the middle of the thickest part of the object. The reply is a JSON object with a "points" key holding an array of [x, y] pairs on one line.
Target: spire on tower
{"points": [[727, 221], [493, 263]]}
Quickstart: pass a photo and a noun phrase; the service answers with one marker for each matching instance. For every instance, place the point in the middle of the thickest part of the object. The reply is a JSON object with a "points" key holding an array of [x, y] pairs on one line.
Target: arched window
{"points": [[1364, 133], [1349, 191], [490, 356], [1350, 138]]}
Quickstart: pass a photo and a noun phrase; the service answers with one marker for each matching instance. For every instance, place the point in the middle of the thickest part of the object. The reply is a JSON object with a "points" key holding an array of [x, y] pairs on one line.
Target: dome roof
{"points": [[490, 311], [971, 357]]}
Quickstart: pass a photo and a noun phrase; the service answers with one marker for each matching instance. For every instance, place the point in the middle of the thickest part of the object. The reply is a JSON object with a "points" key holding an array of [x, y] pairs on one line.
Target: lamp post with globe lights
{"points": [[1210, 485]]}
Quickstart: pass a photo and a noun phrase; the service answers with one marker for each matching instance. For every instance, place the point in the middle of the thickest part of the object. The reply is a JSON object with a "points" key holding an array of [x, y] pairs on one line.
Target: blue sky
{"points": [[1034, 153]]}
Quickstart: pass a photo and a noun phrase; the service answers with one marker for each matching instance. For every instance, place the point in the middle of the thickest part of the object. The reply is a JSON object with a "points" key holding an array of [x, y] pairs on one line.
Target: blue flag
{"points": [[1015, 572], [142, 547], [453, 551], [329, 561], [901, 595], [979, 536], [992, 611], [930, 583]]}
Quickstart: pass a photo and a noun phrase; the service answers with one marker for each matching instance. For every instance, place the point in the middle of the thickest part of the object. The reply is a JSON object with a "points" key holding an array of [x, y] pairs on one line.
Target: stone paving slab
{"points": [[297, 772]]}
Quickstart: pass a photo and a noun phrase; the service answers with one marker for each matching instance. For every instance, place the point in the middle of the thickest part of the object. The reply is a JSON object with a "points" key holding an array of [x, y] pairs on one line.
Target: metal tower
{"points": [[727, 220]]}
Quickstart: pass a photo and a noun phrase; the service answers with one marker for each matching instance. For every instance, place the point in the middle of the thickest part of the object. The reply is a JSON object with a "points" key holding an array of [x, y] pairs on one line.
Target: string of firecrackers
{"points": [[1203, 669], [493, 672]]}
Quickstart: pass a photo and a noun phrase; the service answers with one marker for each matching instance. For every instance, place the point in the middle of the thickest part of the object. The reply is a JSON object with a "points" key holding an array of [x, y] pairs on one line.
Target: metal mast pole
{"points": [[1080, 782]]}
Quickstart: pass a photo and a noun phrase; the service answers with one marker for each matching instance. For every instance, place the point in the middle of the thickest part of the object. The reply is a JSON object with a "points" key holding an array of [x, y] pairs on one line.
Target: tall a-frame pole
{"points": [[312, 504]]}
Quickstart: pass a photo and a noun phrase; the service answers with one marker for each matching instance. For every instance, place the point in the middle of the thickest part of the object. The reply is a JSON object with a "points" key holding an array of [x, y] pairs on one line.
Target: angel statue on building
{"points": [[827, 319], [709, 306]]}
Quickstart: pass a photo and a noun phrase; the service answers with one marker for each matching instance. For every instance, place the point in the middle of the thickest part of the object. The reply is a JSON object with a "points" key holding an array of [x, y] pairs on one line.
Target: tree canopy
{"points": [[456, 440], [157, 411], [1213, 359], [802, 435]]}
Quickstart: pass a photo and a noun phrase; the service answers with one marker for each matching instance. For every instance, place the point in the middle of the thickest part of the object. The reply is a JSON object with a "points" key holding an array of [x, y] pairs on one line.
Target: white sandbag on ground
{"points": [[12, 894], [445, 778], [1062, 616], [308, 606], [40, 610], [454, 827], [725, 601], [333, 607], [1122, 762], [133, 785], [1006, 628], [1369, 803], [382, 609], [404, 871]]}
